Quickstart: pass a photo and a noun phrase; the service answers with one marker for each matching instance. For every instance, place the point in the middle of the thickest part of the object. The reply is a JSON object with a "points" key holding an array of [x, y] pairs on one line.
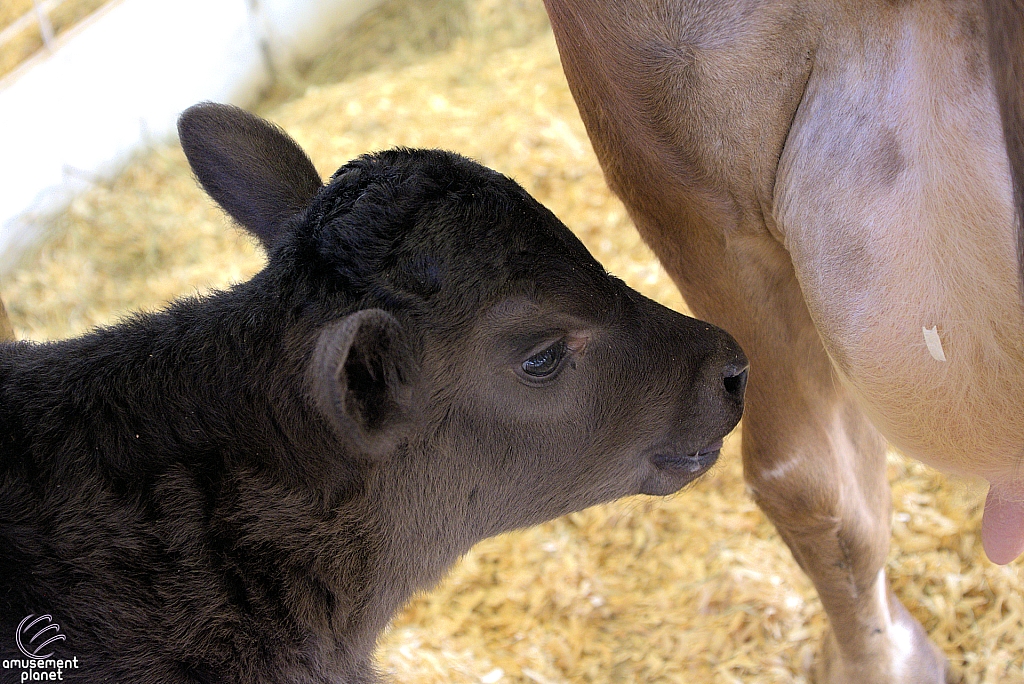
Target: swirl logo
{"points": [[43, 630]]}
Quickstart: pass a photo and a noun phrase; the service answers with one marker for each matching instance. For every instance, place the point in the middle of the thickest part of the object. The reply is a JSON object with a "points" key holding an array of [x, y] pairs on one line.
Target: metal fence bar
{"points": [[45, 26], [39, 14]]}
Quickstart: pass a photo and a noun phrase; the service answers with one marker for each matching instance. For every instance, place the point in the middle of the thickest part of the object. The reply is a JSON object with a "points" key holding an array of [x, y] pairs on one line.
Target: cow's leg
{"points": [[664, 89], [814, 462], [6, 330], [817, 469]]}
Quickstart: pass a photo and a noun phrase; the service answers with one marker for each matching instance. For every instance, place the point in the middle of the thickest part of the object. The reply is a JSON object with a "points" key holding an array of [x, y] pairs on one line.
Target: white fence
{"points": [[78, 110], [39, 16]]}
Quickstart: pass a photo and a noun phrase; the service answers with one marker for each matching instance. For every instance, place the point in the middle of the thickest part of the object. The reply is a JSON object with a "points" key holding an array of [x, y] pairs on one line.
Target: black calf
{"points": [[246, 486]]}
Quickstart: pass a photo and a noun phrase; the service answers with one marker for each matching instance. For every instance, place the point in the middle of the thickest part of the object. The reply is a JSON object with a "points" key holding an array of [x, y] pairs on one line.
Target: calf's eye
{"points": [[544, 363]]}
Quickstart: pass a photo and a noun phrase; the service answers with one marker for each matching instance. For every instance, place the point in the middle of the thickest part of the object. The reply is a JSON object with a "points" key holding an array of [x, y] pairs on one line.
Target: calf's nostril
{"points": [[734, 377]]}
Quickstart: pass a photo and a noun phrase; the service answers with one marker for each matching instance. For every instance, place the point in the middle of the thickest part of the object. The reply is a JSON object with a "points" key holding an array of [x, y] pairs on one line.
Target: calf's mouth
{"points": [[674, 468], [694, 464]]}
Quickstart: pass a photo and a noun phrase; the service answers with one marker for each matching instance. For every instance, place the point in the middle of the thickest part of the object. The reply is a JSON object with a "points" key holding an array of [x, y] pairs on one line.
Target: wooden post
{"points": [[6, 331]]}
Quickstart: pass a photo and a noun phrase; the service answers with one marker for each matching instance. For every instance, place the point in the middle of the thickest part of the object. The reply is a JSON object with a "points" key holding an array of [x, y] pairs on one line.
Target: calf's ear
{"points": [[361, 378], [258, 174]]}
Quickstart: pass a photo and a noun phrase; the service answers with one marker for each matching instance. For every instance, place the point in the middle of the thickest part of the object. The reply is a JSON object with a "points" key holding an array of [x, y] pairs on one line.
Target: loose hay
{"points": [[693, 588]]}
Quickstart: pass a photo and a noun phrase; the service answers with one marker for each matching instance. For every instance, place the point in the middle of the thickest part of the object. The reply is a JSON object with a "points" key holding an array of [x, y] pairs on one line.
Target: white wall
{"points": [[119, 81]]}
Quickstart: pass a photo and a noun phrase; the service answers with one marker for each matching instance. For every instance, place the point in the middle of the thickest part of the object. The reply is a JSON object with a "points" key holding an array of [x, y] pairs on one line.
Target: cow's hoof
{"points": [[906, 657]]}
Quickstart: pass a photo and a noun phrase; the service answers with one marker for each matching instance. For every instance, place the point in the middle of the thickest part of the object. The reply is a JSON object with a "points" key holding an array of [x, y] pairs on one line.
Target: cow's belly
{"points": [[893, 197]]}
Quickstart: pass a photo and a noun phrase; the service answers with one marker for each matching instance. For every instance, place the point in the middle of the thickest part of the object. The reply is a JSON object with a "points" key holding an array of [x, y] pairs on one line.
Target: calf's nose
{"points": [[734, 377]]}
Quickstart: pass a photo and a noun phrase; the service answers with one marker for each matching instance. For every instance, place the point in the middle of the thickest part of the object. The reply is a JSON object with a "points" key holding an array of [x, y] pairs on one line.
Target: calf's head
{"points": [[472, 359]]}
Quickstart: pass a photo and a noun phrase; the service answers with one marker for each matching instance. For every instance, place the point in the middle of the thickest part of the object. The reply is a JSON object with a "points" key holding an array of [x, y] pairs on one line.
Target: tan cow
{"points": [[830, 181]]}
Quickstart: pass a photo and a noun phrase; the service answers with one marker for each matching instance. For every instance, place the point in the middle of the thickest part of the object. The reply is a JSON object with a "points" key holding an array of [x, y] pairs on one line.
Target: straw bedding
{"points": [[693, 588]]}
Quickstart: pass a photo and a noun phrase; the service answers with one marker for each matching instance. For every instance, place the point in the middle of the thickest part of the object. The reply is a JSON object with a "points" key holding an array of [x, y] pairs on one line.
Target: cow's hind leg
{"points": [[822, 483], [664, 90], [816, 467]]}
